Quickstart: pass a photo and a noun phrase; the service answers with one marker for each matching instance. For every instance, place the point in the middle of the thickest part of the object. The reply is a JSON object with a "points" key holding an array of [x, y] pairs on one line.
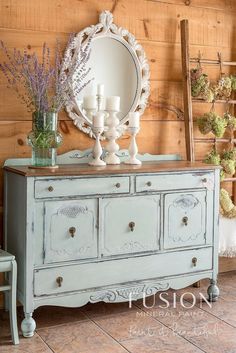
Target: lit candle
{"points": [[98, 119], [134, 118], [100, 89], [90, 102], [113, 103]]}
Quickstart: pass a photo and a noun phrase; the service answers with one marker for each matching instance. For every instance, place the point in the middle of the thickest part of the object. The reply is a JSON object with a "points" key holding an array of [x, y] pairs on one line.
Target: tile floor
{"points": [[116, 328]]}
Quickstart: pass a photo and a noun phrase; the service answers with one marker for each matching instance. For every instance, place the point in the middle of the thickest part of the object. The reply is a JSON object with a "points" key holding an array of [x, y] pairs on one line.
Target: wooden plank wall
{"points": [[155, 23]]}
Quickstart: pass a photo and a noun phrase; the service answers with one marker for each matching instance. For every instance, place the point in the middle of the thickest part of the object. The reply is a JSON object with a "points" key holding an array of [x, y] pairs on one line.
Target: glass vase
{"points": [[44, 139]]}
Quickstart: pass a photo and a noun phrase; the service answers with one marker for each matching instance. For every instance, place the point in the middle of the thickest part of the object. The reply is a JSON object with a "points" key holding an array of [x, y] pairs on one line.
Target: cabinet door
{"points": [[70, 230], [184, 219], [129, 224]]}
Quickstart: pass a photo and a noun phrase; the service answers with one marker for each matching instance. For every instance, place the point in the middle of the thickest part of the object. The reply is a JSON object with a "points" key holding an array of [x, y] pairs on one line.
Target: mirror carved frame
{"points": [[107, 28]]}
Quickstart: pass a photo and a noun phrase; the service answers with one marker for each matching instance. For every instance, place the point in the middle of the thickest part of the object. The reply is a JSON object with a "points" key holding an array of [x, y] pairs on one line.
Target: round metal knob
{"points": [[50, 188], [59, 281], [194, 261], [149, 183], [132, 225], [72, 231], [185, 221], [118, 185], [204, 180]]}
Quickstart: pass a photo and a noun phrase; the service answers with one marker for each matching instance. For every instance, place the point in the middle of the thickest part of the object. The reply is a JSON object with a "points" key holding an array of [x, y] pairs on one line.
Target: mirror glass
{"points": [[113, 65]]}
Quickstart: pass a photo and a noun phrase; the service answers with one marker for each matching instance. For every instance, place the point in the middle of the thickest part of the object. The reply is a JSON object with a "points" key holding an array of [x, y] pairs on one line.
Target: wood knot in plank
{"points": [[146, 28], [20, 142], [114, 5]]}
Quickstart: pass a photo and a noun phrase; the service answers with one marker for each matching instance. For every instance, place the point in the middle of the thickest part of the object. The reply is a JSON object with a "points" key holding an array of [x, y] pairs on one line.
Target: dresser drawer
{"points": [[129, 224], [81, 186], [174, 181], [70, 230], [94, 275], [185, 219]]}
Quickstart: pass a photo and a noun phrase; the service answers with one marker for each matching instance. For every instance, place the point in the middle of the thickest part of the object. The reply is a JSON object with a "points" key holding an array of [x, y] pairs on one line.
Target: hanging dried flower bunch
{"points": [[204, 123], [227, 160], [201, 86], [233, 83], [219, 125], [212, 122], [227, 208], [198, 81], [222, 175], [229, 154], [223, 89], [212, 157], [228, 166], [231, 121]]}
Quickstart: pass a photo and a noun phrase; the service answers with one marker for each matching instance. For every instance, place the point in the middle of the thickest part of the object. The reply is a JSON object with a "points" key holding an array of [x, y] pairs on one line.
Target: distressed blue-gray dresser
{"points": [[87, 234]]}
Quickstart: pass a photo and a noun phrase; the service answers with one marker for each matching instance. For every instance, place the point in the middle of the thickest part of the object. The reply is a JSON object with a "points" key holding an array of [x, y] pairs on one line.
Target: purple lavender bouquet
{"points": [[45, 88]]}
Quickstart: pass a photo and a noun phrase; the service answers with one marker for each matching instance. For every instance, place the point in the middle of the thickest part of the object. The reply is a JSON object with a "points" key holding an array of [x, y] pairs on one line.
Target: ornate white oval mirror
{"points": [[119, 63]]}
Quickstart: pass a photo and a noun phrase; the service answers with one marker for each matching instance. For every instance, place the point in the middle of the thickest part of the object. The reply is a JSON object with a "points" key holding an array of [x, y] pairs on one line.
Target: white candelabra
{"points": [[98, 128], [133, 129], [93, 105], [112, 122]]}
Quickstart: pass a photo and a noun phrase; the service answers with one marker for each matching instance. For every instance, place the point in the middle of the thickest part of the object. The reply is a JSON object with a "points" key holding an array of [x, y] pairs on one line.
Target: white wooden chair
{"points": [[8, 264]]}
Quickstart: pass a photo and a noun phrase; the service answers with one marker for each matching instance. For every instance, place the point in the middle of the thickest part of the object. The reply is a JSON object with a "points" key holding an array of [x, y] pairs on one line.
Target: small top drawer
{"points": [[174, 181], [80, 186]]}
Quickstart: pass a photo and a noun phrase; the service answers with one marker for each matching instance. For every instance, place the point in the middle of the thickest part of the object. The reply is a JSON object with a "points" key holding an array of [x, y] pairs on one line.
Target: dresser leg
{"points": [[213, 291], [28, 325]]}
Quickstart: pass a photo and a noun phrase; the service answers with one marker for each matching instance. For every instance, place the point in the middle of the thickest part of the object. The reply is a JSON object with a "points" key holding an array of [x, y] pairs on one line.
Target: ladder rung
{"points": [[213, 62], [200, 100], [213, 140], [229, 63], [233, 179]]}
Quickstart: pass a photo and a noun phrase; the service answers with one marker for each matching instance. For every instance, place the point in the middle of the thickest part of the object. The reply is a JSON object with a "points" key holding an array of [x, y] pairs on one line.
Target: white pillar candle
{"points": [[89, 102], [98, 119], [134, 118], [100, 89], [113, 103]]}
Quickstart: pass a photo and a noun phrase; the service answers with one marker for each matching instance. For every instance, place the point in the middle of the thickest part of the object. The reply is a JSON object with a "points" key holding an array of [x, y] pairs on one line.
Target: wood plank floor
{"points": [[116, 328]]}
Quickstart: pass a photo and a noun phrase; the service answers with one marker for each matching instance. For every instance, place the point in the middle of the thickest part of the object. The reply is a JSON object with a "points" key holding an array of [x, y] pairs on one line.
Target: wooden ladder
{"points": [[188, 100]]}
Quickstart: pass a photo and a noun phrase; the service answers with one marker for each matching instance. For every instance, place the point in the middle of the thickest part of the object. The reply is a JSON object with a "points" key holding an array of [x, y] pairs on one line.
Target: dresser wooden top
{"points": [[85, 169]]}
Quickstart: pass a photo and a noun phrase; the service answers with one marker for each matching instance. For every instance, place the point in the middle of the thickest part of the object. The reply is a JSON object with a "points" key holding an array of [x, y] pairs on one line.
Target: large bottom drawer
{"points": [[98, 274]]}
